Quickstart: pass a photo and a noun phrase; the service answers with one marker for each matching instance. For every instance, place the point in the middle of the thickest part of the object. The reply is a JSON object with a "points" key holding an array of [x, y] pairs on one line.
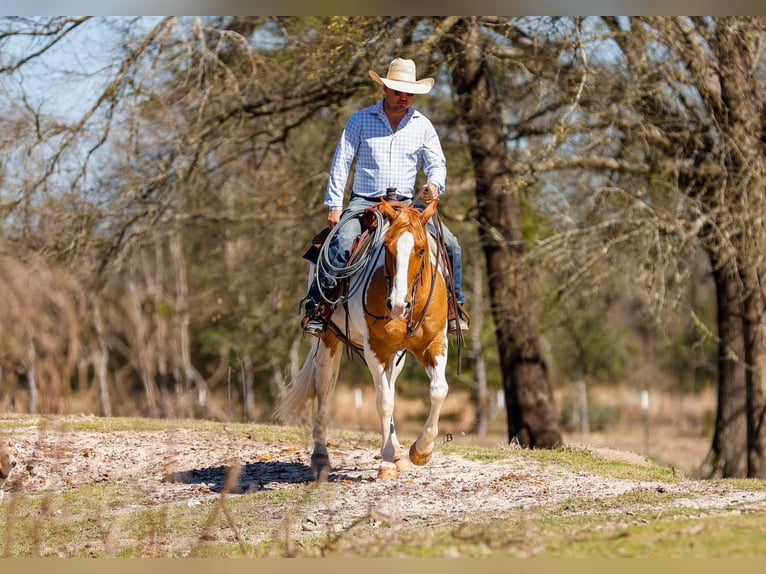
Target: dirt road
{"points": [[191, 465]]}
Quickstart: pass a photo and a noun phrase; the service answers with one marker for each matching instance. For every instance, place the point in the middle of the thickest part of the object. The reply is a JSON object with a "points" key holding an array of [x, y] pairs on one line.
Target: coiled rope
{"points": [[325, 268]]}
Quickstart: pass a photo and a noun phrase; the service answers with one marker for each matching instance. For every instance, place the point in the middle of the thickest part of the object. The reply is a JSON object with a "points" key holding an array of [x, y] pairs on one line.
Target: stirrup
{"points": [[314, 324], [461, 319], [453, 324]]}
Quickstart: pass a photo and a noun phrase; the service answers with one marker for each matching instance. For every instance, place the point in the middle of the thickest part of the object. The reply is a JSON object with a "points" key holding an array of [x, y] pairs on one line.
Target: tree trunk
{"points": [[755, 378], [531, 412], [742, 119], [728, 453], [481, 389], [143, 361], [190, 373], [156, 285], [101, 360]]}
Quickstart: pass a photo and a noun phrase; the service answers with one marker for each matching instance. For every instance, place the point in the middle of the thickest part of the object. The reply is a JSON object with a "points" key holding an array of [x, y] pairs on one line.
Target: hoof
{"points": [[417, 458], [403, 464], [388, 471], [320, 467]]}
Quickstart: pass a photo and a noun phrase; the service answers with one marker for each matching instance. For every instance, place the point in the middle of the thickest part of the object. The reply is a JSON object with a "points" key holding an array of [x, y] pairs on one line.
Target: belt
{"points": [[395, 197]]}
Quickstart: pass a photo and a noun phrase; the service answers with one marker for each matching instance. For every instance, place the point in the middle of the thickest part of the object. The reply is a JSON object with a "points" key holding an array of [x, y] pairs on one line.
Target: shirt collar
{"points": [[377, 109]]}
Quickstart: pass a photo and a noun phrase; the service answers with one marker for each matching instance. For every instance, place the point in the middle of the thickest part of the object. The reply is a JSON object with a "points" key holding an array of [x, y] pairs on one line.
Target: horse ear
{"points": [[430, 210], [387, 210]]}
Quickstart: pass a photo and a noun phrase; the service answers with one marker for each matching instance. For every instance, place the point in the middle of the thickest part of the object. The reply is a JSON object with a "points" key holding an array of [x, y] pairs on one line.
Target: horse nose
{"points": [[398, 311]]}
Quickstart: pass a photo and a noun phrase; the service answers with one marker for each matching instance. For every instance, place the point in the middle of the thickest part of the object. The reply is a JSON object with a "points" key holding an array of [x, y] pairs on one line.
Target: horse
{"points": [[397, 304]]}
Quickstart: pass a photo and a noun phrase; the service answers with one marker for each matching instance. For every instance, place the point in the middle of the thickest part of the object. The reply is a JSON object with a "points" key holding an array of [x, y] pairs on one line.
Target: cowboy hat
{"points": [[401, 77]]}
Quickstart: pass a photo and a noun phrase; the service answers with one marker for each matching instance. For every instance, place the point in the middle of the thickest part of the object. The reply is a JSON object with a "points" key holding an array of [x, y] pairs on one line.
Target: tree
{"points": [[706, 112], [531, 413], [673, 121]]}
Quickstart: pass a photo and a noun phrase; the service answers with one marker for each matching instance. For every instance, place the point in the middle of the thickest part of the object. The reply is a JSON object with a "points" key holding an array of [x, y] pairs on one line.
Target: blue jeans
{"points": [[339, 250]]}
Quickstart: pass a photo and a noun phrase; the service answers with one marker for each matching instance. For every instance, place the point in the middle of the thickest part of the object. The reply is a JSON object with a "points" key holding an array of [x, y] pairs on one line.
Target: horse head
{"points": [[407, 251]]}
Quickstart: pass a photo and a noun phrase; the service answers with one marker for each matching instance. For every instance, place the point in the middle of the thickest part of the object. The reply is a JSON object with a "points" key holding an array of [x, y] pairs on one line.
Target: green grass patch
{"points": [[619, 533], [573, 459]]}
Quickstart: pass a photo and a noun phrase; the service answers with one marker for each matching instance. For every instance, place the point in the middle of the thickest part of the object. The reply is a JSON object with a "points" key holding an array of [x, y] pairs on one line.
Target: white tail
{"points": [[300, 392]]}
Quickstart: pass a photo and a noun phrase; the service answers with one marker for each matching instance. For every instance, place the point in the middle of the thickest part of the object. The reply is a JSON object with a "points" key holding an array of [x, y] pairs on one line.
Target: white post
{"points": [[582, 408], [358, 405], [645, 409]]}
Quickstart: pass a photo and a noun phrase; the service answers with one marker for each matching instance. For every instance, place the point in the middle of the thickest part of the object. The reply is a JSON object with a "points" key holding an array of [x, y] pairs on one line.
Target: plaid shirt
{"points": [[384, 158]]}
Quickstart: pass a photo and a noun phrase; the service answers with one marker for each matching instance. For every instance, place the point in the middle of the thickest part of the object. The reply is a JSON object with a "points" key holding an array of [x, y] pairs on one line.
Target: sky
{"points": [[390, 7], [66, 81]]}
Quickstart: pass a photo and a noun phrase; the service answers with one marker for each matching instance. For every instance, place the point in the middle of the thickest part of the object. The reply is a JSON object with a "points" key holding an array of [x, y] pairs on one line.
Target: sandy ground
{"points": [[190, 467]]}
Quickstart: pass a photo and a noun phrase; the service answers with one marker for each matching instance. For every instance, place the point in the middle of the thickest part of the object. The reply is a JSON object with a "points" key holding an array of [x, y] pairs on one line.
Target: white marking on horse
{"points": [[398, 304]]}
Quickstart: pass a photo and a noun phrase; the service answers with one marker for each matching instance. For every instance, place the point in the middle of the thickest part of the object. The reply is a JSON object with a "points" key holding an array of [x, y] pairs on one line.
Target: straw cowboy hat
{"points": [[401, 77]]}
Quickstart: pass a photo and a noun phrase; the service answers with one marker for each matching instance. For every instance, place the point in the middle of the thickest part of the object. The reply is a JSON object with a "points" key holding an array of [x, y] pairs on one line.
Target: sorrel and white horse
{"points": [[400, 306]]}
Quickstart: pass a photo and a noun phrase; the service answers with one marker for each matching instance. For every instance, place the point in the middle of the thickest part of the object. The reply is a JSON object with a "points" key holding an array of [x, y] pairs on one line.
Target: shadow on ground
{"points": [[253, 476], [257, 476]]}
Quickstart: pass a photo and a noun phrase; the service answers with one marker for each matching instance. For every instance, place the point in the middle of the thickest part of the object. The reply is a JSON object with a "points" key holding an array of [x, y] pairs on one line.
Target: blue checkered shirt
{"points": [[384, 158]]}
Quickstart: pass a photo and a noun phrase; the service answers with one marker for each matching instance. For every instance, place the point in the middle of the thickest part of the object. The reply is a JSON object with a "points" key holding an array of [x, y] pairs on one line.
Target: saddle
{"points": [[369, 223]]}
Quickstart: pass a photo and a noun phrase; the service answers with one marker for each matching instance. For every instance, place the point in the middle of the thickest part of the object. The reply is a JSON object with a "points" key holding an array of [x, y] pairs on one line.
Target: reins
{"points": [[371, 249], [450, 281]]}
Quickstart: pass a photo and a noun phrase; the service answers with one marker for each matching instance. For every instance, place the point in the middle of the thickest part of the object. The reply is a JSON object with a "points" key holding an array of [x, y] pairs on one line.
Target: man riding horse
{"points": [[390, 142]]}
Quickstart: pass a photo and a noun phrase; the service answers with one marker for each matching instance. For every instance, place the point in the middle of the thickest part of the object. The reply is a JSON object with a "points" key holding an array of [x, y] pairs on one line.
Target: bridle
{"points": [[412, 325]]}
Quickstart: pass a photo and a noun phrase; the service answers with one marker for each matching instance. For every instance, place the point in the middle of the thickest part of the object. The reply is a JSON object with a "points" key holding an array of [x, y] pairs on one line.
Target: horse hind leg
{"points": [[327, 367], [316, 379]]}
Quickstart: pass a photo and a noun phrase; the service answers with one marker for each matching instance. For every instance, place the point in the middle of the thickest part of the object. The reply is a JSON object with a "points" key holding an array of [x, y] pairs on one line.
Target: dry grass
{"points": [[680, 426]]}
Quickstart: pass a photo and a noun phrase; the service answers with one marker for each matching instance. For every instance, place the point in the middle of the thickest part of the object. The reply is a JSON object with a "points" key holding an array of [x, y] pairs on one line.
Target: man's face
{"points": [[398, 101]]}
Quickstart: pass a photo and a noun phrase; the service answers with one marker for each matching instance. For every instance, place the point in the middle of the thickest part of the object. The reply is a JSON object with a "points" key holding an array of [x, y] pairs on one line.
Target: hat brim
{"points": [[419, 87]]}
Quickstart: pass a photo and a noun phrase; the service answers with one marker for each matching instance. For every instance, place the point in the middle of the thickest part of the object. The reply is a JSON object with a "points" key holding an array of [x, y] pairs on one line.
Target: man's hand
{"points": [[430, 192], [333, 217]]}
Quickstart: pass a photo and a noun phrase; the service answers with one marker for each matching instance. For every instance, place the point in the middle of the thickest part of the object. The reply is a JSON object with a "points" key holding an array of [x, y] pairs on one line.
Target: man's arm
{"points": [[340, 168], [434, 165]]}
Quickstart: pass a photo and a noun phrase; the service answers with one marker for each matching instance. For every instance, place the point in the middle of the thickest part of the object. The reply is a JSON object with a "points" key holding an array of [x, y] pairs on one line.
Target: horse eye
{"points": [[421, 251]]}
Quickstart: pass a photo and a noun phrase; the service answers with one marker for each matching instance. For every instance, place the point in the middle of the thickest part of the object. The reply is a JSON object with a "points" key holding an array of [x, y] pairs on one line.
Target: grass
{"points": [[548, 534], [117, 518], [573, 459], [111, 520]]}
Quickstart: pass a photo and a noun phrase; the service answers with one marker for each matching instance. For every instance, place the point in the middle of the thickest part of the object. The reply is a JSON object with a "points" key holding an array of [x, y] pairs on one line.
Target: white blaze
{"points": [[399, 287]]}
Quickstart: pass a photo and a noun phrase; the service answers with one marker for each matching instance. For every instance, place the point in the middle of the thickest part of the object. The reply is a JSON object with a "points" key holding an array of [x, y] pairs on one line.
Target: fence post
{"points": [[358, 406], [645, 409]]}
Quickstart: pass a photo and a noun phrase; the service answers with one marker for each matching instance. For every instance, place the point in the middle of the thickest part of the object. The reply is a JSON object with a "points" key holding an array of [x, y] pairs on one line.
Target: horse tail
{"points": [[300, 392]]}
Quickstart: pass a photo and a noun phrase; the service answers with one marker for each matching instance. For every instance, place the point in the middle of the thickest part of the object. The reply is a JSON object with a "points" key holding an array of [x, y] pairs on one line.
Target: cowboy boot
{"points": [[457, 318], [317, 316]]}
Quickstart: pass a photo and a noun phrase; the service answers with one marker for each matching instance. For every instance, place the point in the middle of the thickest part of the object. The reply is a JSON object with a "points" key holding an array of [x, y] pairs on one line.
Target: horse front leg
{"points": [[384, 378], [422, 449], [327, 364]]}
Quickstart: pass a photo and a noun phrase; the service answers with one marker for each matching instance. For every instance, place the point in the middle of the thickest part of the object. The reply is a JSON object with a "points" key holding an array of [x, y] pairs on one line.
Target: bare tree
{"points": [[706, 113], [531, 413]]}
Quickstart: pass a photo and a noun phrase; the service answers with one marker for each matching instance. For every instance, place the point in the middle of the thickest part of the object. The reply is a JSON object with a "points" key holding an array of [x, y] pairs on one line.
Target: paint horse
{"points": [[400, 305]]}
